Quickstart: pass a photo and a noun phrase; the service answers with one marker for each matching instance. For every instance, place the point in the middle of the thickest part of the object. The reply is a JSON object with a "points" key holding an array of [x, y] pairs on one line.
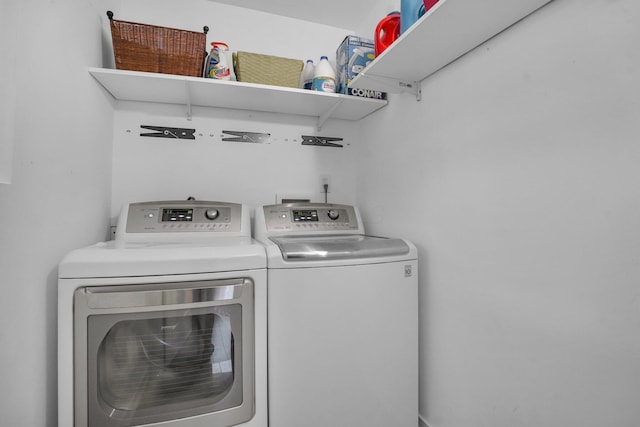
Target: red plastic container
{"points": [[387, 31]]}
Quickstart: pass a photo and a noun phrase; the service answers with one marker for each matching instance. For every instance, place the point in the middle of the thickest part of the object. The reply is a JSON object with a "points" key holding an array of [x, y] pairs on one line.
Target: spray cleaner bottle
{"points": [[216, 65], [324, 79]]}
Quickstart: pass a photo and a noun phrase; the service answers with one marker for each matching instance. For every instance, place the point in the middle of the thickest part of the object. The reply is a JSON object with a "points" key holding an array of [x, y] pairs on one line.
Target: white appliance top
{"points": [[317, 234], [171, 237]]}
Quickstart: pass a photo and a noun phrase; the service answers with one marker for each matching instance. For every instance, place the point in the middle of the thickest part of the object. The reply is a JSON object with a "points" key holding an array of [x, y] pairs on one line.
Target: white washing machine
{"points": [[342, 320], [166, 324]]}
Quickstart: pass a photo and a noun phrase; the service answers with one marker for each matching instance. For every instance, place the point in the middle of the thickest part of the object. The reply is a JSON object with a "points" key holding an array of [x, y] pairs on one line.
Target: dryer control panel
{"points": [[294, 218], [181, 216]]}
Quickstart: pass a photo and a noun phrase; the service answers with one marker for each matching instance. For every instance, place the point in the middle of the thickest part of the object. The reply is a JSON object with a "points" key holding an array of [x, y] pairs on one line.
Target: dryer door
{"points": [[163, 352]]}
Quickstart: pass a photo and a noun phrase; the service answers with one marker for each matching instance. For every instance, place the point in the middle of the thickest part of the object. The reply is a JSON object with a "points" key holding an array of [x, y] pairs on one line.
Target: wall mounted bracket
{"points": [[167, 132], [242, 136], [325, 116], [188, 89], [389, 84], [321, 141]]}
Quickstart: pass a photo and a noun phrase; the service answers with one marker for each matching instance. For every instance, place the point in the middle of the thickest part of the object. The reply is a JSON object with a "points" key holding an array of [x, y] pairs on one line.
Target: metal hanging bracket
{"points": [[167, 132], [241, 136], [188, 91], [394, 85], [321, 141]]}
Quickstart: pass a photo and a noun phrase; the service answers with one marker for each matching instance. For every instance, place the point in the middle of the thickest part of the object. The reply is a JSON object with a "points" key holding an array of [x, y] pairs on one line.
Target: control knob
{"points": [[333, 214], [211, 213]]}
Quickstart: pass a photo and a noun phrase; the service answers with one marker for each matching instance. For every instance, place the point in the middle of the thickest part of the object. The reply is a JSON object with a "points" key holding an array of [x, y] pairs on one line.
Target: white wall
{"points": [[209, 168], [60, 190], [519, 181], [8, 72], [519, 171]]}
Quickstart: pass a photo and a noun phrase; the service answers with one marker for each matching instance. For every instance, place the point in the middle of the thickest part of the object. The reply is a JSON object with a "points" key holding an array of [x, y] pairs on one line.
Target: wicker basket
{"points": [[142, 47], [266, 69]]}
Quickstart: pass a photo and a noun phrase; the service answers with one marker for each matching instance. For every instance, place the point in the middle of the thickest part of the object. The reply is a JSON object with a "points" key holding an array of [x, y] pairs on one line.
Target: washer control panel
{"points": [[310, 217], [179, 216]]}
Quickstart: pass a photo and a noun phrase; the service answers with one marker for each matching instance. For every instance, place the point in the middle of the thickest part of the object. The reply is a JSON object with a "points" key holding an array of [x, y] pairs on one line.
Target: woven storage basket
{"points": [[142, 47], [266, 69]]}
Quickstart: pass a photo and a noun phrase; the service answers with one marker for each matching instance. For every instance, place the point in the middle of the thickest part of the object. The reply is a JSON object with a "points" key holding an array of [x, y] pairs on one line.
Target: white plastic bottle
{"points": [[324, 79], [308, 72]]}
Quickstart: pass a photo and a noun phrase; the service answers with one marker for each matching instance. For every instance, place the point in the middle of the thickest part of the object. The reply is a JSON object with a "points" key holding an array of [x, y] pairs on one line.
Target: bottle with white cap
{"points": [[308, 72], [324, 78]]}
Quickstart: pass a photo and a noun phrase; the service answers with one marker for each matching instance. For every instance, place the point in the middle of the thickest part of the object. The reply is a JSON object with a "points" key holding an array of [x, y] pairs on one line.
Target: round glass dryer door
{"points": [[149, 364], [176, 360]]}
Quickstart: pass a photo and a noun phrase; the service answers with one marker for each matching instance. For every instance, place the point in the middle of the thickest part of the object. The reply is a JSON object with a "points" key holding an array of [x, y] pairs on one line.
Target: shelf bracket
{"points": [[325, 116], [394, 85], [321, 141], [188, 104]]}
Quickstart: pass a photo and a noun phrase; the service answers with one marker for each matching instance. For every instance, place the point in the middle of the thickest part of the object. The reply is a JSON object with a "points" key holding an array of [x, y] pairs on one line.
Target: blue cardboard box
{"points": [[353, 54]]}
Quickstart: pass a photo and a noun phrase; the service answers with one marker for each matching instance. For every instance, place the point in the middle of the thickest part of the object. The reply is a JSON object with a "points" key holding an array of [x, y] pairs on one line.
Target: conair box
{"points": [[352, 56]]}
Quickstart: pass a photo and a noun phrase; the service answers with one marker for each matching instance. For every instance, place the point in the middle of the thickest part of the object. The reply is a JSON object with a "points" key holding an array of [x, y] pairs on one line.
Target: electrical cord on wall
{"points": [[326, 192]]}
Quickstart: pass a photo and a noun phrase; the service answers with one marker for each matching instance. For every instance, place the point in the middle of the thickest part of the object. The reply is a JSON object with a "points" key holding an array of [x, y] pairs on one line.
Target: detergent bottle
{"points": [[324, 79], [387, 31], [410, 12]]}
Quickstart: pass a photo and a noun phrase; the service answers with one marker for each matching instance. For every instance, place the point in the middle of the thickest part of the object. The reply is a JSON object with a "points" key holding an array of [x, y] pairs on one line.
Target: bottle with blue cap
{"points": [[324, 79], [308, 72]]}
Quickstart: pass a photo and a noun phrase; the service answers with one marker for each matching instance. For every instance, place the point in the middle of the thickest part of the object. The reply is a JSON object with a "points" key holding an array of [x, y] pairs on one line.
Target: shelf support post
{"points": [[188, 89], [325, 116]]}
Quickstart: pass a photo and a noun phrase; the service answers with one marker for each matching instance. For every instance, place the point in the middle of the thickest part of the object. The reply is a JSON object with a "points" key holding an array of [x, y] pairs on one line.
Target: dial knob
{"points": [[333, 214], [211, 213]]}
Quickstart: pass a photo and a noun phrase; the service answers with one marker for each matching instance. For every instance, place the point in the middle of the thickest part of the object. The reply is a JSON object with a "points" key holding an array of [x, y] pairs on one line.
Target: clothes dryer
{"points": [[166, 324], [342, 319]]}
